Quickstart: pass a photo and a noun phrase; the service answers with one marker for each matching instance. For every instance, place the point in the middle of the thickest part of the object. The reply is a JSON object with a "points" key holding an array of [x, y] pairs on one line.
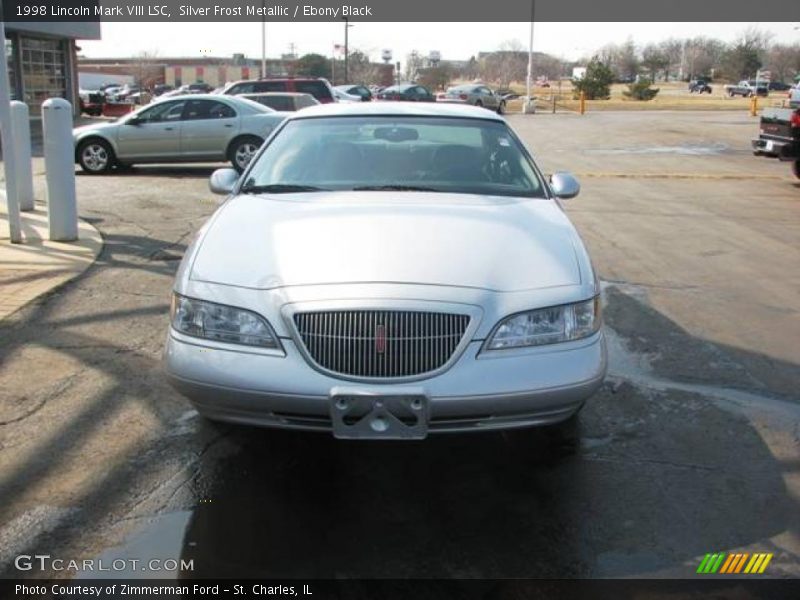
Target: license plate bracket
{"points": [[388, 414]]}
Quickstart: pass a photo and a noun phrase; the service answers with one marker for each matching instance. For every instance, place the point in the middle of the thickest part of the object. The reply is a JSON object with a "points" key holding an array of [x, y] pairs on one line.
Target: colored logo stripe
{"points": [[736, 562]]}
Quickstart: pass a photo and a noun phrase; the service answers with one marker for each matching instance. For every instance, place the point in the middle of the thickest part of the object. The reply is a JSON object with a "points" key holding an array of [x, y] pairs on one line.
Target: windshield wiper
{"points": [[280, 188], [394, 187]]}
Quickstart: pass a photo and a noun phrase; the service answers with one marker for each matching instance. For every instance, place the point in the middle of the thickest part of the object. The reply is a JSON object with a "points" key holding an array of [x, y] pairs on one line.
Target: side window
{"points": [[303, 101], [318, 89], [219, 110], [270, 86], [242, 88], [197, 110], [279, 103], [167, 111]]}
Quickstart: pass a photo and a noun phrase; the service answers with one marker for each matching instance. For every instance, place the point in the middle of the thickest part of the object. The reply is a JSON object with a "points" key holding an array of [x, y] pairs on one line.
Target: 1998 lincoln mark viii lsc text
{"points": [[386, 270]]}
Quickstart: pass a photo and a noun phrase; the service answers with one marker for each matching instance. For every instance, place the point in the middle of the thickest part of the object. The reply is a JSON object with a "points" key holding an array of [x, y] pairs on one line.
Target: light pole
{"points": [[263, 40], [529, 106], [346, 49]]}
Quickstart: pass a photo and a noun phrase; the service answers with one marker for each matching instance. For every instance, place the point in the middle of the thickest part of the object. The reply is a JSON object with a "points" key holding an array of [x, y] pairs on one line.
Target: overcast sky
{"points": [[454, 40]]}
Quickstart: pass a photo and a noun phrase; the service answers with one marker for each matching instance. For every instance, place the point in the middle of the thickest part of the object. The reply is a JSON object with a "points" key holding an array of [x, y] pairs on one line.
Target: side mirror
{"points": [[223, 181], [564, 185]]}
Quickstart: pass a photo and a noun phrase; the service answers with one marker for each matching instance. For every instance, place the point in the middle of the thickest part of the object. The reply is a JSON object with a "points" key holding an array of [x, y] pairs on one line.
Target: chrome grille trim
{"points": [[345, 341]]}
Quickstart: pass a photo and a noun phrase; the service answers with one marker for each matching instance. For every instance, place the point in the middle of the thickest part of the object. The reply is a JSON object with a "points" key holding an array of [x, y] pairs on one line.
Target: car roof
{"points": [[405, 109], [271, 94], [238, 100]]}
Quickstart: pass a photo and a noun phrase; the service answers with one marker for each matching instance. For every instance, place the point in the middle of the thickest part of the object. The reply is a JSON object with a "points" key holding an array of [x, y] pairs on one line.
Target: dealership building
{"points": [[42, 60]]}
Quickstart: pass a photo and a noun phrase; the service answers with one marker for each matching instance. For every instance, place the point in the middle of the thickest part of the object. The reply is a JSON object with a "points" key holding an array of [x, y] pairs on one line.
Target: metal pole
{"points": [[333, 65], [263, 41], [346, 50], [528, 80], [9, 156]]}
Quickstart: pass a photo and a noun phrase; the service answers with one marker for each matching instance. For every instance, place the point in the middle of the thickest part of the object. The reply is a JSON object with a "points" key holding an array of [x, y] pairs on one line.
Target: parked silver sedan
{"points": [[382, 270], [476, 95], [196, 128]]}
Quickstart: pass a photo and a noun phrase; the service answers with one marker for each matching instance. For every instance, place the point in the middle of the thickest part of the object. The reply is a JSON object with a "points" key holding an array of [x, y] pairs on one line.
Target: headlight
{"points": [[547, 326], [221, 323]]}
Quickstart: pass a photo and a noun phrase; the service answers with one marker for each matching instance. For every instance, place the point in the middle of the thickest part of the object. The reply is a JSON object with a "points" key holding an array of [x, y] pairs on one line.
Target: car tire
{"points": [[479, 103], [796, 168], [242, 150], [95, 156], [501, 108], [731, 94]]}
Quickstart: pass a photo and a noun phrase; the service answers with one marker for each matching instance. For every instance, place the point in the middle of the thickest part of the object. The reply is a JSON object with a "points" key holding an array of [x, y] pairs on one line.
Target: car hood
{"points": [[494, 243]]}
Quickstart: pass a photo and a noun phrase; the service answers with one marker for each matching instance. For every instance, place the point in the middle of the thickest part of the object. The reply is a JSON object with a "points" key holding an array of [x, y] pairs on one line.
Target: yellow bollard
{"points": [[583, 102], [754, 106]]}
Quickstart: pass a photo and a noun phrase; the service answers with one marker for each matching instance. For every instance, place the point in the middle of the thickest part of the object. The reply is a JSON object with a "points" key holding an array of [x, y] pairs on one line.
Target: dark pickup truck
{"points": [[780, 136]]}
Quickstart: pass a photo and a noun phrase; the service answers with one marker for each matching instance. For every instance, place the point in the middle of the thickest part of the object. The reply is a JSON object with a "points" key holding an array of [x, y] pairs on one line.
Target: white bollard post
{"points": [[59, 164], [20, 123], [7, 137]]}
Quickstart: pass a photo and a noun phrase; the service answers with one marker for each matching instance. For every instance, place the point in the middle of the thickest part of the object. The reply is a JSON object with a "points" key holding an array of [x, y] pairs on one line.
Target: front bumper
{"points": [[498, 390]]}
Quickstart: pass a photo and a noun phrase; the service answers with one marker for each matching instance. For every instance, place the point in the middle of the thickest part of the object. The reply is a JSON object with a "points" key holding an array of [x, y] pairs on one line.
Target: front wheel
{"points": [[501, 108], [95, 157], [796, 168], [243, 150]]}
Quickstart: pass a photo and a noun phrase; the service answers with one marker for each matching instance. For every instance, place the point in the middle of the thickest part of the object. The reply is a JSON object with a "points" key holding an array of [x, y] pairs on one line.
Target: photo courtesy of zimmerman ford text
{"points": [[391, 300]]}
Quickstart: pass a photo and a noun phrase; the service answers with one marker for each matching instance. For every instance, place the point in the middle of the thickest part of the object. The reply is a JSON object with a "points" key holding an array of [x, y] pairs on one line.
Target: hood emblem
{"points": [[380, 339]]}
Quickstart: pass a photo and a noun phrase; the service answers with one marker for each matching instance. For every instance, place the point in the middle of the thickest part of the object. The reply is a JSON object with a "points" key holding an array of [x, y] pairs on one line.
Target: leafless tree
{"points": [[783, 60]]}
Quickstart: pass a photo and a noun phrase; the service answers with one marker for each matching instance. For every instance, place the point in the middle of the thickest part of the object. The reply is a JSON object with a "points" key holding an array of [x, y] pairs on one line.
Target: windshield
{"points": [[471, 156]]}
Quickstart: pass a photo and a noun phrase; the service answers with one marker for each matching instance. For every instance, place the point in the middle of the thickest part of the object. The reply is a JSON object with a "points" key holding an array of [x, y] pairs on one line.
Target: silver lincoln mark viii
{"points": [[385, 270]]}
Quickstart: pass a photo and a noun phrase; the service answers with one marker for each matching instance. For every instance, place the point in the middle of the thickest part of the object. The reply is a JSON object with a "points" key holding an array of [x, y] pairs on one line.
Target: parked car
{"points": [[747, 89], [507, 94], [361, 91], [192, 128], [794, 96], [342, 96], [385, 274], [699, 86], [476, 95], [409, 92], [779, 136], [91, 102], [283, 101], [778, 86], [162, 88], [317, 87], [198, 87], [124, 92]]}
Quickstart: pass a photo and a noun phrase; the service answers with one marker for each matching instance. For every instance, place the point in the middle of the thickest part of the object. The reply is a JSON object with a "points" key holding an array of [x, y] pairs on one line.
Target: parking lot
{"points": [[692, 445]]}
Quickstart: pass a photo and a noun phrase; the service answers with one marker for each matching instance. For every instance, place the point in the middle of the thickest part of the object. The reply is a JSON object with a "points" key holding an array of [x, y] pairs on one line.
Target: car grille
{"points": [[380, 343]]}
